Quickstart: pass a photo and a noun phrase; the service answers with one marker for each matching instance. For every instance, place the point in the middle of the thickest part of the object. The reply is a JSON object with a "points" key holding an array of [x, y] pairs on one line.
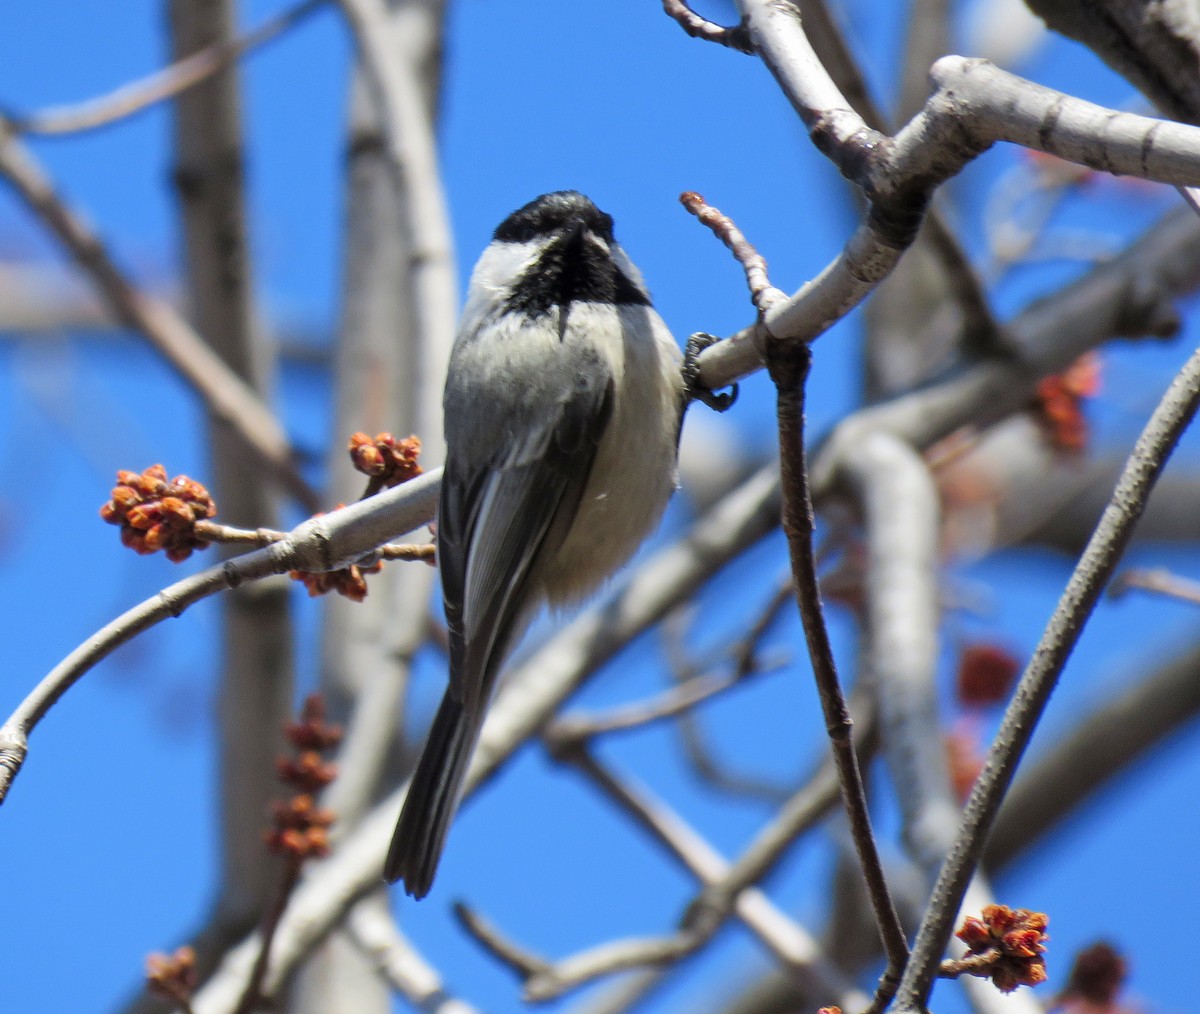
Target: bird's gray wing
{"points": [[498, 515]]}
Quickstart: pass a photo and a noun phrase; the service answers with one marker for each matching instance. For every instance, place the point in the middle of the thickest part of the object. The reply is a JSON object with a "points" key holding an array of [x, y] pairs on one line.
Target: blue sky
{"points": [[107, 839]]}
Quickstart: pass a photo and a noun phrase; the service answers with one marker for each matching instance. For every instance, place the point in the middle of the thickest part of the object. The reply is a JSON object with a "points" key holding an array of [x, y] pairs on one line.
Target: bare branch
{"points": [[1103, 552], [1116, 299], [139, 95], [374, 932], [534, 692], [690, 690], [789, 363], [1155, 46], [788, 942], [762, 293], [900, 514], [1158, 580], [701, 28], [974, 105], [226, 395], [546, 981], [323, 543]]}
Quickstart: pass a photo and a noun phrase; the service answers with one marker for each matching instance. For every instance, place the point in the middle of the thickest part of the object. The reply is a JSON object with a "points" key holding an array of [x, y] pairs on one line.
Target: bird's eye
{"points": [[526, 234]]}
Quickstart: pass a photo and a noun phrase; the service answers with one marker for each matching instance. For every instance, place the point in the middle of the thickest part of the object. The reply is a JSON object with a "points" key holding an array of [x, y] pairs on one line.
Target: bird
{"points": [[563, 403]]}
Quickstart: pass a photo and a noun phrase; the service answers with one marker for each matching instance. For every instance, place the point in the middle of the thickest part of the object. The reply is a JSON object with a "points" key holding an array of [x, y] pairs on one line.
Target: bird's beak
{"points": [[574, 236]]}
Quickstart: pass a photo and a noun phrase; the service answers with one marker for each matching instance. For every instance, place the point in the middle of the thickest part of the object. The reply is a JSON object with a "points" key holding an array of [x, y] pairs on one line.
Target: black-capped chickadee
{"points": [[562, 408]]}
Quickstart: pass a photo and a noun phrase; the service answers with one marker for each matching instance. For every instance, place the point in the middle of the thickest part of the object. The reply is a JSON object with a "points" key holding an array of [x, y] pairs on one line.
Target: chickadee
{"points": [[562, 407]]}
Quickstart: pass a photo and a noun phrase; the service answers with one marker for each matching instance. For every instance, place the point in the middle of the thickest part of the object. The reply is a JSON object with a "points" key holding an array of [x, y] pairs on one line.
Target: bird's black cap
{"points": [[552, 213]]}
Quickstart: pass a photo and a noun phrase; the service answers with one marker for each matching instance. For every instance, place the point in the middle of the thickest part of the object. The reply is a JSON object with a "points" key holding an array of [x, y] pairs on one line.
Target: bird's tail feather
{"points": [[432, 799]]}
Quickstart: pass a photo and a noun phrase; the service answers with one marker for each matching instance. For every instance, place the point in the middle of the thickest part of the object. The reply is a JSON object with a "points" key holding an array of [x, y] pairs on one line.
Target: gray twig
{"points": [[1167, 424], [163, 84], [701, 28]]}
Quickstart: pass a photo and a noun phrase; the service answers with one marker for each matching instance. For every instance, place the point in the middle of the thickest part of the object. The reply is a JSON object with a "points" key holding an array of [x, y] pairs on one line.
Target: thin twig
{"points": [[762, 293], [214, 531], [696, 748], [322, 543], [810, 804], [701, 28], [226, 396], [788, 365], [973, 964], [252, 995], [162, 84], [544, 980], [524, 962], [1167, 424], [788, 942], [1159, 580], [669, 704], [691, 689]]}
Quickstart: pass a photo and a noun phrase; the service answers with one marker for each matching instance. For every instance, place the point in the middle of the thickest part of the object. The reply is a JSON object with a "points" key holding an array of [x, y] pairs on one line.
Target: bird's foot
{"points": [[694, 390]]}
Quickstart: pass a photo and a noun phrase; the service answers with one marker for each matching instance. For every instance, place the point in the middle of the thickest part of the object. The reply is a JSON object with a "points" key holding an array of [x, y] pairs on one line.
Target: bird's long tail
{"points": [[432, 798]]}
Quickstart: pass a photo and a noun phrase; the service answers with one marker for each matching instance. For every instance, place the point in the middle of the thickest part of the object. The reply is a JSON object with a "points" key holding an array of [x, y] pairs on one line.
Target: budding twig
{"points": [[763, 294], [300, 828], [1167, 424]]}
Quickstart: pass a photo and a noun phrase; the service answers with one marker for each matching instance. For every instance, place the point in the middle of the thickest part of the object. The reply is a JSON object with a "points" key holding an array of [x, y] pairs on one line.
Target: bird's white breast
{"points": [[633, 474]]}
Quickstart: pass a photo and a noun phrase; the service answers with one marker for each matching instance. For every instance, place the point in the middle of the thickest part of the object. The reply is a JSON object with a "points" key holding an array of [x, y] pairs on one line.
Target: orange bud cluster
{"points": [[348, 581], [986, 673], [156, 514], [308, 771], [312, 732], [172, 976], [1059, 403], [299, 828], [385, 459], [1017, 936]]}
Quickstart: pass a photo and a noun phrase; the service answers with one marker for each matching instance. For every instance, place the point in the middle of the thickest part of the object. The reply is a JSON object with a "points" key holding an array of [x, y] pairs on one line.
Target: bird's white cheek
{"points": [[502, 264]]}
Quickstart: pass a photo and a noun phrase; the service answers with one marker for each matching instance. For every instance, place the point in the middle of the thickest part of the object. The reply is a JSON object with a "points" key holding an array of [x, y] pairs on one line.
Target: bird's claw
{"points": [[694, 389]]}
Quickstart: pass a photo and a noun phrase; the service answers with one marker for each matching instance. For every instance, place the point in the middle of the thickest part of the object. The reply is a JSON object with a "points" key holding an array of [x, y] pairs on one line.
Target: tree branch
{"points": [[181, 75], [319, 544], [226, 396], [788, 365], [532, 694], [1158, 439], [373, 931]]}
